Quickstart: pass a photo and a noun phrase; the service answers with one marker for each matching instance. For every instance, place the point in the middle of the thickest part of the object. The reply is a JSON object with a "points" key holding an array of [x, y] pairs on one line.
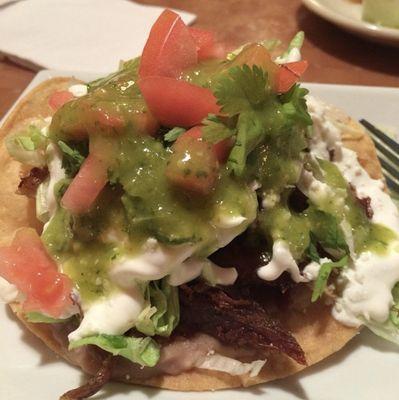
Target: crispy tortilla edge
{"points": [[319, 334]]}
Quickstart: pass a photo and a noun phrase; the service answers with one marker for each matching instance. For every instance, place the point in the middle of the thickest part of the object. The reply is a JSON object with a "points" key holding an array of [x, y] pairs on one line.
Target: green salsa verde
{"points": [[140, 201]]}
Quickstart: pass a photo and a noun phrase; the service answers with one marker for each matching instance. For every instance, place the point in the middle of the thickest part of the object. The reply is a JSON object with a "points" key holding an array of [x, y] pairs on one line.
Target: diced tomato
{"points": [[256, 54], [86, 186], [177, 103], [203, 40], [27, 265], [106, 119], [145, 122], [193, 166], [289, 74], [220, 149], [170, 48], [195, 133], [206, 46], [58, 99], [216, 51]]}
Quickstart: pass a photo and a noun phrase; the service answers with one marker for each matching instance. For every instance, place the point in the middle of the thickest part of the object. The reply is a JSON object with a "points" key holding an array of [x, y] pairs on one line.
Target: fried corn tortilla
{"points": [[317, 332]]}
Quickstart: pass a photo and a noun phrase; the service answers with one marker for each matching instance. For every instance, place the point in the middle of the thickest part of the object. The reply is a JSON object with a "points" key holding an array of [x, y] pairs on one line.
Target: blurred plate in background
{"points": [[348, 15]]}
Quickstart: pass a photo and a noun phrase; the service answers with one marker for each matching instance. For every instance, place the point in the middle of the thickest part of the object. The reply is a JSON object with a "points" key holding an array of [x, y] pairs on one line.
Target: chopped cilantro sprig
{"points": [[244, 95]]}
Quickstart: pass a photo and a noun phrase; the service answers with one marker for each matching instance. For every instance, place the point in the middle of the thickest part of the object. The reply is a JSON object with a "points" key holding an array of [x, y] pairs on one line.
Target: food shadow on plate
{"points": [[347, 47], [364, 339], [121, 389], [290, 384], [8, 4], [47, 356]]}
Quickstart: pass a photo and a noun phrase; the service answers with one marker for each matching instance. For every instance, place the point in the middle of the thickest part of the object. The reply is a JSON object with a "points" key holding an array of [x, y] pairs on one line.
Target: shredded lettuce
{"points": [[58, 234], [162, 313], [143, 351], [394, 314], [37, 317], [217, 362], [389, 330], [28, 145], [294, 47], [42, 209], [324, 274]]}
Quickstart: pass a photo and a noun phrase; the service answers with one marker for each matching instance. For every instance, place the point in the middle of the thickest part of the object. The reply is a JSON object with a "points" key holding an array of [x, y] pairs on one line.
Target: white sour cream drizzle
{"points": [[154, 262], [369, 278], [113, 315], [119, 312], [8, 292], [46, 203], [294, 55], [368, 281], [311, 271], [194, 267], [78, 90], [281, 261]]}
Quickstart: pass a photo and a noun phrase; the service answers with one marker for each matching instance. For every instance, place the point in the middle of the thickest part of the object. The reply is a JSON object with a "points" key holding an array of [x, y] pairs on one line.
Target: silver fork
{"points": [[388, 154]]}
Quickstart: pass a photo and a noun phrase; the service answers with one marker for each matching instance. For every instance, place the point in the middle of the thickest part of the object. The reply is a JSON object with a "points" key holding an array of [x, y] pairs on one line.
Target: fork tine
{"points": [[393, 185], [381, 135], [387, 151], [388, 165]]}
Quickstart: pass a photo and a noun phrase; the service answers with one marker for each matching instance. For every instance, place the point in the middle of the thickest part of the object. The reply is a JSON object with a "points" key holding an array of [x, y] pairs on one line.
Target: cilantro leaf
{"points": [[215, 130], [73, 156], [250, 132], [245, 92], [294, 105], [242, 89], [324, 274], [173, 134], [327, 231], [311, 251]]}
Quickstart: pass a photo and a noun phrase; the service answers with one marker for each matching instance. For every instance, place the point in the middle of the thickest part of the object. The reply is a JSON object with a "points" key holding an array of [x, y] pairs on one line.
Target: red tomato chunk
{"points": [[86, 186], [289, 74], [193, 166], [27, 265], [177, 103], [58, 99], [220, 149], [170, 48]]}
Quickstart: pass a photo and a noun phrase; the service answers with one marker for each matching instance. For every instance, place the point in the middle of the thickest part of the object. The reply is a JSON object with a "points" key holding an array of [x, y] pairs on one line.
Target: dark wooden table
{"points": [[335, 56]]}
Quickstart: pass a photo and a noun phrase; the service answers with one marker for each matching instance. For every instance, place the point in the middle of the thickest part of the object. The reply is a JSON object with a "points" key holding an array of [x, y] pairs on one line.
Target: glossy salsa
{"points": [[177, 191]]}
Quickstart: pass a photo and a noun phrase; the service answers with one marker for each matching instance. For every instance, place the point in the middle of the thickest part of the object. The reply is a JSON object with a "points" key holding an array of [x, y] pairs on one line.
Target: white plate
{"points": [[348, 15], [366, 369]]}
